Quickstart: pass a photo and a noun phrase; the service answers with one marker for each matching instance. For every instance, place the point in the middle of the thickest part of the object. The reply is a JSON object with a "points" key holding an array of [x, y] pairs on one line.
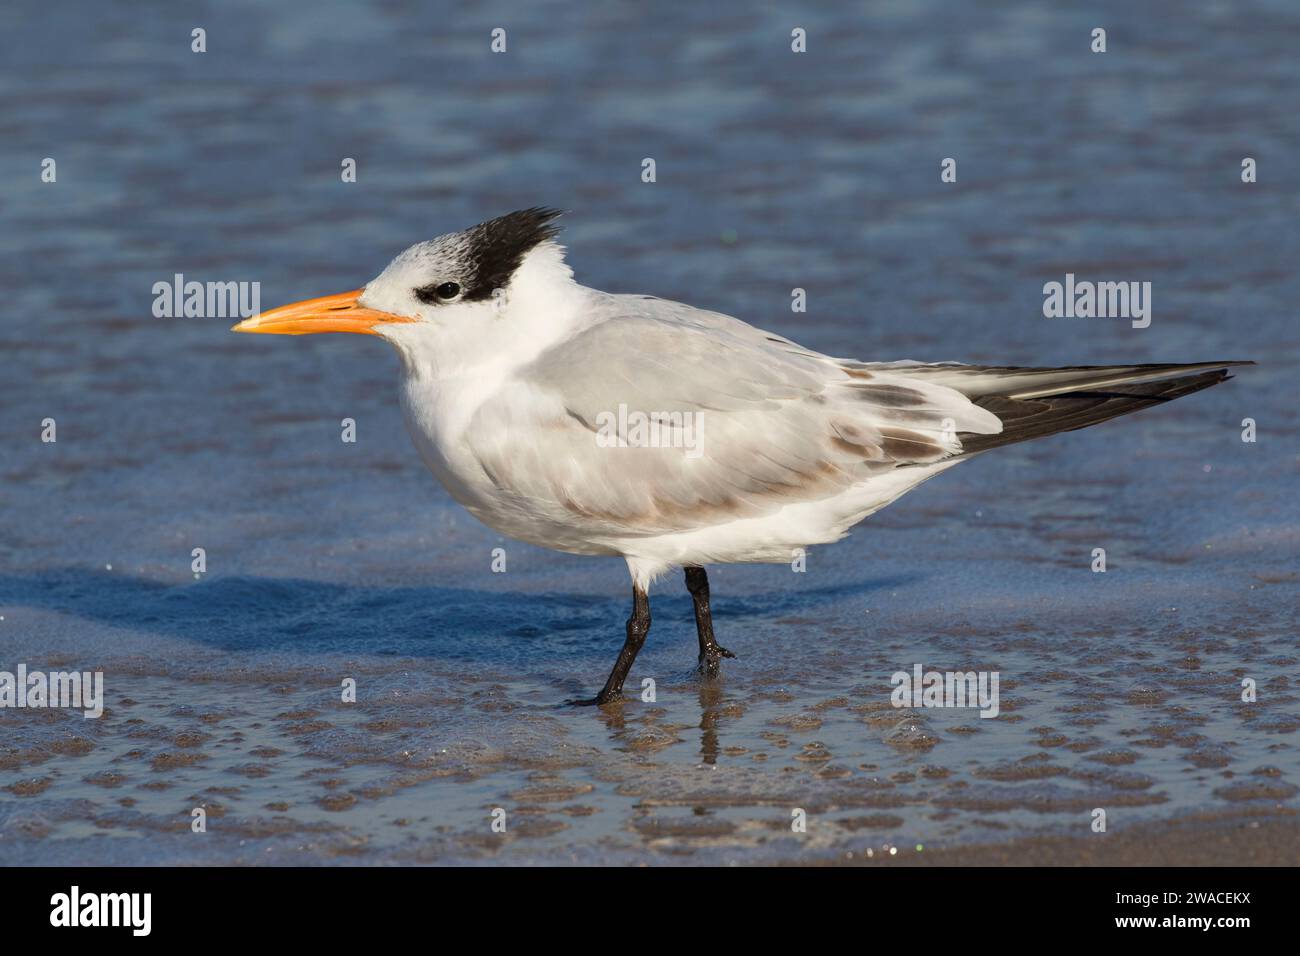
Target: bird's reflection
{"points": [[710, 711], [617, 713]]}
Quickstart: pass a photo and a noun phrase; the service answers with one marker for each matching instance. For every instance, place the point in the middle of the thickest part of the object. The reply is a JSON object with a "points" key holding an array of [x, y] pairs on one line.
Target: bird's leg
{"points": [[638, 625], [711, 652]]}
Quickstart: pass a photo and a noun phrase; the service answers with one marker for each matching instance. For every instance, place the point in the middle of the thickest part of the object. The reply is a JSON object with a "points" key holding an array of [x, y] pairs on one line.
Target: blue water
{"points": [[775, 170]]}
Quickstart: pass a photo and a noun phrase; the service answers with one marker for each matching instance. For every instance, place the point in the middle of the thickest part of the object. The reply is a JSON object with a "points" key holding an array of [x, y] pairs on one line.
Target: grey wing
{"points": [[748, 423]]}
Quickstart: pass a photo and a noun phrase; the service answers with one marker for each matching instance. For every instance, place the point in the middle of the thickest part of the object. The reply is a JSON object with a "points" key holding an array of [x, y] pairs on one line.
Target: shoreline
{"points": [[1261, 838]]}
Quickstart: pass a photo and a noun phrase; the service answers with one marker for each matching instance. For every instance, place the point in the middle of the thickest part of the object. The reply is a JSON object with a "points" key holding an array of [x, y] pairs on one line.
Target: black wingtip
{"points": [[1026, 419]]}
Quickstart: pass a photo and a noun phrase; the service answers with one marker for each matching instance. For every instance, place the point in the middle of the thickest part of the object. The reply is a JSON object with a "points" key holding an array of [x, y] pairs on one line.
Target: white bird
{"points": [[629, 425]]}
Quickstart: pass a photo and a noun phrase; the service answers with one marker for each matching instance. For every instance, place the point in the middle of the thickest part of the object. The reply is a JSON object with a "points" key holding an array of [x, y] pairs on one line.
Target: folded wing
{"points": [[665, 418]]}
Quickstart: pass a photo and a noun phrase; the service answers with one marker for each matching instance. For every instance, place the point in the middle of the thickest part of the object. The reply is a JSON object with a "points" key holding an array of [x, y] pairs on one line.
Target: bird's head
{"points": [[452, 289]]}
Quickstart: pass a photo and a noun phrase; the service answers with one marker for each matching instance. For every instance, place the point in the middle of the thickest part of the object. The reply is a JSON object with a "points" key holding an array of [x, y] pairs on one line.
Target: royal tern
{"points": [[671, 436]]}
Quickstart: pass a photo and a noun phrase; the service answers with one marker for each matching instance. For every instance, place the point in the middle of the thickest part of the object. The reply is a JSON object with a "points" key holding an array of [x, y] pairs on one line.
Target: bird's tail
{"points": [[1034, 402]]}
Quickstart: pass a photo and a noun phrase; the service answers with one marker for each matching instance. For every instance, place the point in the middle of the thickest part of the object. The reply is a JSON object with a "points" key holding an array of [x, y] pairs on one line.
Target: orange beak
{"points": [[332, 313]]}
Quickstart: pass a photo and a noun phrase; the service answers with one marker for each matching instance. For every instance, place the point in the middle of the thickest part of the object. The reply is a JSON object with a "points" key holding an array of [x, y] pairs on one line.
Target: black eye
{"points": [[443, 292]]}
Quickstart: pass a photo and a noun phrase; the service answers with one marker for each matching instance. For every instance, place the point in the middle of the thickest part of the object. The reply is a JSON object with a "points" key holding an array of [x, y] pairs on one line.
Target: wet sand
{"points": [[254, 731], [1261, 839]]}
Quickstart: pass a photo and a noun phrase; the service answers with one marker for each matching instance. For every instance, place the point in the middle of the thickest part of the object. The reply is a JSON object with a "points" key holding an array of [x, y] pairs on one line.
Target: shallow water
{"points": [[329, 561]]}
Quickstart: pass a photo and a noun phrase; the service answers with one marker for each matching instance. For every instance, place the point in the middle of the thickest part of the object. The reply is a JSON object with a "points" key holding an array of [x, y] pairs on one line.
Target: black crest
{"points": [[495, 248]]}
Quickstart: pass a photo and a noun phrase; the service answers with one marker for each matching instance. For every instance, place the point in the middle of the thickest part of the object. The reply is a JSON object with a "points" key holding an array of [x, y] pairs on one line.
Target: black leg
{"points": [[711, 653], [638, 625]]}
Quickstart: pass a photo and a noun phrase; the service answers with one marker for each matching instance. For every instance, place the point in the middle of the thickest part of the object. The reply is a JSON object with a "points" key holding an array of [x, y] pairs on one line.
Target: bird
{"points": [[674, 437]]}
